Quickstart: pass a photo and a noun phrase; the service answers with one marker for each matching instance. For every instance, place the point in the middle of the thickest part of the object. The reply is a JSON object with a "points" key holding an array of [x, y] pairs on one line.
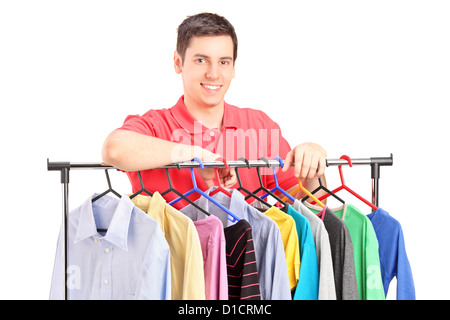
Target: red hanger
{"points": [[344, 186], [219, 186]]}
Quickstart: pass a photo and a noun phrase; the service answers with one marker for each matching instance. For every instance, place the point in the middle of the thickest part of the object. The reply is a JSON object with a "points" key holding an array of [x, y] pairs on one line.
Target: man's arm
{"points": [[131, 151]]}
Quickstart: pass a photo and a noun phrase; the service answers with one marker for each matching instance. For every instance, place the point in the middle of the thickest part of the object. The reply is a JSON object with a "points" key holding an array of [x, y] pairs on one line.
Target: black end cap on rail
{"points": [[57, 166], [63, 167], [383, 161]]}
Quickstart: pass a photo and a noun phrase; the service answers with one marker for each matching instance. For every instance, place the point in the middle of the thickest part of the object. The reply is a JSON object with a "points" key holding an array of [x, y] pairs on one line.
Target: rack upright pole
{"points": [[65, 184], [64, 168]]}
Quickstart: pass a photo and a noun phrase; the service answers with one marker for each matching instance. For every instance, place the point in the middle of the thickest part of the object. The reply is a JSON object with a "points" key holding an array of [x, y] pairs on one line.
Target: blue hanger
{"points": [[232, 217], [277, 187]]}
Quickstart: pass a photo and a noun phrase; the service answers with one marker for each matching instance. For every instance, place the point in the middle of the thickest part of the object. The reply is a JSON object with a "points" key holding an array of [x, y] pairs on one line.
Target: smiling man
{"points": [[201, 124]]}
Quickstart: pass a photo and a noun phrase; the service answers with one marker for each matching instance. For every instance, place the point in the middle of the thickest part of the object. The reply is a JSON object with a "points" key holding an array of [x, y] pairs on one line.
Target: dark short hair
{"points": [[204, 24]]}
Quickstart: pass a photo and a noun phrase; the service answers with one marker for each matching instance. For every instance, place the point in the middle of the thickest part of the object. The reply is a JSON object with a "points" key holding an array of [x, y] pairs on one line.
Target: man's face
{"points": [[207, 70]]}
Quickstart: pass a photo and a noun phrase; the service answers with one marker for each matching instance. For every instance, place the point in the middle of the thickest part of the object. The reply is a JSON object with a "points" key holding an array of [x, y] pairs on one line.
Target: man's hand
{"points": [[227, 176], [309, 161]]}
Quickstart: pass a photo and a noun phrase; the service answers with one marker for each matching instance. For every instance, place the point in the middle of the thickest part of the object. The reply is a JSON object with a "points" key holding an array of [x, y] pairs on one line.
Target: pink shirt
{"points": [[212, 241]]}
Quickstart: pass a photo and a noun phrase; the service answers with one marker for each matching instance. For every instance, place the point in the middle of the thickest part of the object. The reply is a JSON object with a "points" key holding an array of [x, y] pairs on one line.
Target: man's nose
{"points": [[213, 72]]}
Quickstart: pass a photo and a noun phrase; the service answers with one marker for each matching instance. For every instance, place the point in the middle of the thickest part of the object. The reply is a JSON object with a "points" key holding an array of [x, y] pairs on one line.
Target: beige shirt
{"points": [[186, 258]]}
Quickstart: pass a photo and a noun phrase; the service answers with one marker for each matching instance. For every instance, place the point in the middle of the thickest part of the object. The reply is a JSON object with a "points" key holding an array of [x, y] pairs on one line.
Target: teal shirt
{"points": [[308, 283]]}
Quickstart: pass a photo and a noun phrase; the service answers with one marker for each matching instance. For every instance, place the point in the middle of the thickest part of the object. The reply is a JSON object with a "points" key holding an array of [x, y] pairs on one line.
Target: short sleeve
{"points": [[139, 124]]}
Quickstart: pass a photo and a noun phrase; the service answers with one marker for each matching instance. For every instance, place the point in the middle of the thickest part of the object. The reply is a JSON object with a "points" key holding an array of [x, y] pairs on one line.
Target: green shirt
{"points": [[365, 249]]}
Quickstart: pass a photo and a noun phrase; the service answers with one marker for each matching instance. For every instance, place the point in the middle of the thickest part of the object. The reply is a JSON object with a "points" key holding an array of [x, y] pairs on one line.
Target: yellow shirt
{"points": [[186, 257], [289, 235]]}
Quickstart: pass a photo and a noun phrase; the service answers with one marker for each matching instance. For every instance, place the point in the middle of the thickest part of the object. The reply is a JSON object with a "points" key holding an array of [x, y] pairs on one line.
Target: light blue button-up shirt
{"points": [[130, 261], [269, 249]]}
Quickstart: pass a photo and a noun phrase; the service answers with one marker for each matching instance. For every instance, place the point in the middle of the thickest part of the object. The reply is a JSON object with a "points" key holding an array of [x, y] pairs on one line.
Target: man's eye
{"points": [[225, 62], [200, 60]]}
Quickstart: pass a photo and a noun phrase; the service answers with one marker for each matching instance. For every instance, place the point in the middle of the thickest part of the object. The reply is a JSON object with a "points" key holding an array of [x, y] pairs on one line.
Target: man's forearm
{"points": [[131, 151]]}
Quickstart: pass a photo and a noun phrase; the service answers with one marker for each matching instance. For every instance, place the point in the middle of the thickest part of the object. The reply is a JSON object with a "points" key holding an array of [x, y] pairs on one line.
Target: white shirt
{"points": [[131, 261]]}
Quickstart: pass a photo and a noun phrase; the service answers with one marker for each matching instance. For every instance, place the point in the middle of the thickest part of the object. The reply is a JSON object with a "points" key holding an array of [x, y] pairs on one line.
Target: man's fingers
{"points": [[288, 161], [321, 169]]}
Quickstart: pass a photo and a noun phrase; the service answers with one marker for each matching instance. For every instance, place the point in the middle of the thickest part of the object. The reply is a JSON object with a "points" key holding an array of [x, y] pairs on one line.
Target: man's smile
{"points": [[213, 88]]}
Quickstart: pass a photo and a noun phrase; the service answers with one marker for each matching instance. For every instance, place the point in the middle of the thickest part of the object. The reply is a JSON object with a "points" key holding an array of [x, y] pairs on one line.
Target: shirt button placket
{"points": [[106, 283]]}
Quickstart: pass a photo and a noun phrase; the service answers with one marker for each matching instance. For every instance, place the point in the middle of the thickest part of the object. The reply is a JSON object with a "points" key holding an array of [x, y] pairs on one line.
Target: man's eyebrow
{"points": [[199, 55]]}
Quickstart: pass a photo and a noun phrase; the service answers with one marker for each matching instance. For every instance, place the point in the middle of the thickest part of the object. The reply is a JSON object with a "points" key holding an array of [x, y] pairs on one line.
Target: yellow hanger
{"points": [[302, 188]]}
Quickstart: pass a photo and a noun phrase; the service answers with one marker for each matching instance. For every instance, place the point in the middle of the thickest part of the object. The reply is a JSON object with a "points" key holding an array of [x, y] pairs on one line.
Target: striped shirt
{"points": [[243, 279]]}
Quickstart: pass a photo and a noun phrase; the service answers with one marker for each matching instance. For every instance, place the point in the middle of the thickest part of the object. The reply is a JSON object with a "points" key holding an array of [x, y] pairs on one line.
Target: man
{"points": [[203, 125]]}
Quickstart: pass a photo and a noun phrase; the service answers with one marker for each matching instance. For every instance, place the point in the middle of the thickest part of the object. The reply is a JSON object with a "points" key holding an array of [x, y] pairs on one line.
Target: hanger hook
{"points": [[223, 160], [344, 157], [266, 161], [279, 160], [348, 160], [199, 161], [245, 160]]}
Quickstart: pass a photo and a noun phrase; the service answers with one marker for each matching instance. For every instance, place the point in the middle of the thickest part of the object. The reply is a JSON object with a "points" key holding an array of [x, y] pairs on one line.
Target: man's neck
{"points": [[210, 116]]}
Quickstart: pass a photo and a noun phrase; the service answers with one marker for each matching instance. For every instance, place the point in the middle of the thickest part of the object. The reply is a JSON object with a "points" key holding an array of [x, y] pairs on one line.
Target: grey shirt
{"points": [[342, 255], [327, 288]]}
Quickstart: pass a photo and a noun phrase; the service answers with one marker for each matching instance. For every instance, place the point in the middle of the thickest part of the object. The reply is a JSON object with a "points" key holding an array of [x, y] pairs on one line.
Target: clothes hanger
{"points": [[321, 187], [277, 186], [219, 186], [249, 193], [231, 216], [110, 189], [171, 189], [345, 187], [142, 188], [308, 194], [268, 192]]}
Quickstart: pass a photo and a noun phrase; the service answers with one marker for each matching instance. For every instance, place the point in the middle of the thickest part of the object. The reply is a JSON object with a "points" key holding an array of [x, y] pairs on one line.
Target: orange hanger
{"points": [[302, 188]]}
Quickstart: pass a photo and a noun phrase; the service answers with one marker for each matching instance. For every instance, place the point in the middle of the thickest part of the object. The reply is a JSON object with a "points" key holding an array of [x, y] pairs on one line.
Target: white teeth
{"points": [[211, 87]]}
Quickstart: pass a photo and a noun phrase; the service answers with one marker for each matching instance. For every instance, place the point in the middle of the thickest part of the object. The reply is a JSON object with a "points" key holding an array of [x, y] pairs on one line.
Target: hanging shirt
{"points": [[245, 132], [212, 239], [131, 261], [289, 236], [393, 258], [327, 289], [188, 280], [341, 252], [308, 283], [243, 279], [269, 250], [365, 249]]}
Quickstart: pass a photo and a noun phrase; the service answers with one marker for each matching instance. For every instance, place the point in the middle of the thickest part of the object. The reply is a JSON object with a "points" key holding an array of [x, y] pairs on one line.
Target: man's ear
{"points": [[177, 62]]}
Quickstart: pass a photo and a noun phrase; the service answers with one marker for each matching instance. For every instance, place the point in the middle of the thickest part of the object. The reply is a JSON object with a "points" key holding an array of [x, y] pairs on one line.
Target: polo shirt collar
{"points": [[378, 215], [117, 233], [187, 121]]}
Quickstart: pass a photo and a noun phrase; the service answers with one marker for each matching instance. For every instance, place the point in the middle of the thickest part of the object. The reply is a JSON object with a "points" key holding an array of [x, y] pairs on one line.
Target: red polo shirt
{"points": [[245, 133]]}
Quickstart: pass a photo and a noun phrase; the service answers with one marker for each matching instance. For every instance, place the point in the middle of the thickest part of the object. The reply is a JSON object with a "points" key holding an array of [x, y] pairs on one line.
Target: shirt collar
{"points": [[187, 121], [154, 206], [236, 204], [117, 233]]}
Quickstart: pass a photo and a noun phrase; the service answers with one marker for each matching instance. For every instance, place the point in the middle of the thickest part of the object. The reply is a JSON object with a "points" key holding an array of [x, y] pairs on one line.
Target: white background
{"points": [[362, 78]]}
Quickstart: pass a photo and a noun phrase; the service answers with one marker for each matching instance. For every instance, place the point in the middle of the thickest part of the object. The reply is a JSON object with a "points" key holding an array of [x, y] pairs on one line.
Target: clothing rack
{"points": [[65, 167]]}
